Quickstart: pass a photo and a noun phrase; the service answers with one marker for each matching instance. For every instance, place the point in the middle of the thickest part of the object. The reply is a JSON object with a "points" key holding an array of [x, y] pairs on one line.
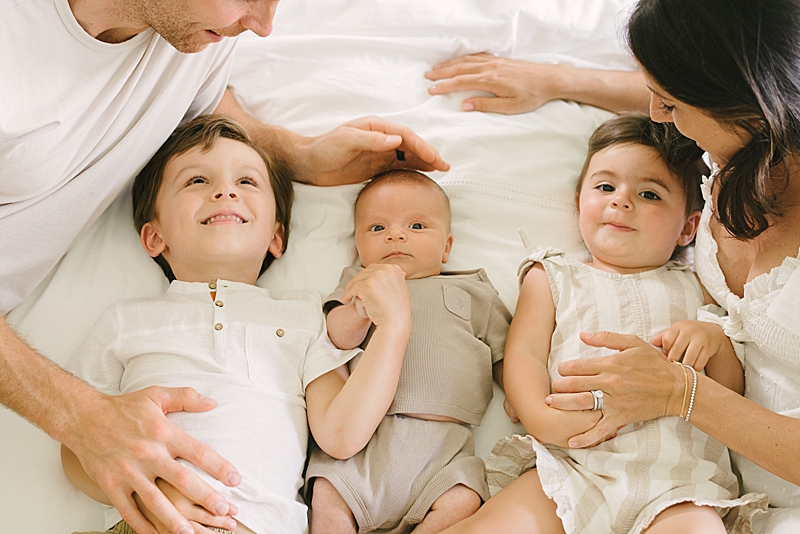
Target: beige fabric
{"points": [[622, 484], [458, 331], [408, 463]]}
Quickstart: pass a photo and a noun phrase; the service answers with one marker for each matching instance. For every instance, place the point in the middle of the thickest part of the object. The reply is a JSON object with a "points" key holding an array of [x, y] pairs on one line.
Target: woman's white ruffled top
{"points": [[766, 321]]}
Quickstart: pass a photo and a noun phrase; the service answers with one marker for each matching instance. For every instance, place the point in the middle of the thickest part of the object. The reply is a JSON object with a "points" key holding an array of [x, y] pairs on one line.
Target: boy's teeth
{"points": [[234, 217]]}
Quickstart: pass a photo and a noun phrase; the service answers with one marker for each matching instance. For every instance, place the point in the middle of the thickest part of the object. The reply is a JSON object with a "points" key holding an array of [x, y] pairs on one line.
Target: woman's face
{"points": [[720, 140]]}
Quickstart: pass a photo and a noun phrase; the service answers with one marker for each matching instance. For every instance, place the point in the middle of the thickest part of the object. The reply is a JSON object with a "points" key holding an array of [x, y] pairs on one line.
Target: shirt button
{"points": [[219, 303], [279, 332], [218, 326], [212, 285]]}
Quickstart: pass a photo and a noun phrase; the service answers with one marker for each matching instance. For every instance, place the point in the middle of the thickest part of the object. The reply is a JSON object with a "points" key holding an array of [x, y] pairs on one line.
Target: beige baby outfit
{"points": [[459, 326]]}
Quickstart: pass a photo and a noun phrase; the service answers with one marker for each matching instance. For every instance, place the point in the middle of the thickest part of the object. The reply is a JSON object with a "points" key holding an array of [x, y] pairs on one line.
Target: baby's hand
{"points": [[380, 294], [692, 342], [197, 515]]}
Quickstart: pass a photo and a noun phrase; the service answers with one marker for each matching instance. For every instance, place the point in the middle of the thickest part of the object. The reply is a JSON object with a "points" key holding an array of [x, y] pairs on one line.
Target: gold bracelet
{"points": [[685, 388]]}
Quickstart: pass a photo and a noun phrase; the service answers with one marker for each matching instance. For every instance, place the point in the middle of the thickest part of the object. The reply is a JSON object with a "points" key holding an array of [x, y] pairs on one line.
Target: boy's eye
{"points": [[606, 188], [416, 226], [377, 228], [649, 195], [196, 180]]}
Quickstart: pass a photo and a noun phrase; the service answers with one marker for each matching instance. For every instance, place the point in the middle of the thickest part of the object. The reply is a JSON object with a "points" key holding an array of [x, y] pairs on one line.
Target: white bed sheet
{"points": [[328, 62]]}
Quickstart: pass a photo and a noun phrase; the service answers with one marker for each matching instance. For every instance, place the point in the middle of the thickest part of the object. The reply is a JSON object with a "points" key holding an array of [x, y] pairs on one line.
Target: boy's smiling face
{"points": [[406, 224], [215, 215]]}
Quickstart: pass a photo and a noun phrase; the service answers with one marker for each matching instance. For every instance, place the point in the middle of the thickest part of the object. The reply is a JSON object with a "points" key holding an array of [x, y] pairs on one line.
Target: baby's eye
{"points": [[248, 181], [649, 195], [377, 228], [606, 188], [416, 226]]}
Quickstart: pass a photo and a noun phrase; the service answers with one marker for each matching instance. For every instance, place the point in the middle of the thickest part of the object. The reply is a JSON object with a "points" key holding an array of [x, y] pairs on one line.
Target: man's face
{"points": [[191, 25]]}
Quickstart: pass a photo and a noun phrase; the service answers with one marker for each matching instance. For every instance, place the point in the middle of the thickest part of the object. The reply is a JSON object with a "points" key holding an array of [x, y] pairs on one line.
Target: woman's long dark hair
{"points": [[739, 62]]}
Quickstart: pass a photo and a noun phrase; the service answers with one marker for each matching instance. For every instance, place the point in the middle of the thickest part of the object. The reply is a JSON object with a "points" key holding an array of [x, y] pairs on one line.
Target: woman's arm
{"points": [[521, 86], [640, 384], [348, 154], [527, 382]]}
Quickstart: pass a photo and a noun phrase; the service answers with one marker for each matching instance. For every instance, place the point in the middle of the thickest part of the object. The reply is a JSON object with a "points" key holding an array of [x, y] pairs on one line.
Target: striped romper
{"points": [[621, 485]]}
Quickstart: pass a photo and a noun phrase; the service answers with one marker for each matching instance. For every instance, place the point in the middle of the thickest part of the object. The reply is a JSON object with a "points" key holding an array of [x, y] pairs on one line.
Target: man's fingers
{"points": [[190, 484], [612, 340], [158, 505]]}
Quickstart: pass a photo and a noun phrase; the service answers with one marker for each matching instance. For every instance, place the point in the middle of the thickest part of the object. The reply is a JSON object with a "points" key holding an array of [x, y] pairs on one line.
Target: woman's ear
{"points": [[151, 240], [689, 229]]}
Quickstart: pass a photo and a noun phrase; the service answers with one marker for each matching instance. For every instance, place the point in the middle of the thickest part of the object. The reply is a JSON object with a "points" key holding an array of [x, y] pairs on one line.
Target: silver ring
{"points": [[598, 399]]}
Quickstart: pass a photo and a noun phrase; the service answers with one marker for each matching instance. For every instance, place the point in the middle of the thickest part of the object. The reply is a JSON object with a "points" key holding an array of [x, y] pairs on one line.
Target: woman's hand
{"points": [[517, 86], [638, 384]]}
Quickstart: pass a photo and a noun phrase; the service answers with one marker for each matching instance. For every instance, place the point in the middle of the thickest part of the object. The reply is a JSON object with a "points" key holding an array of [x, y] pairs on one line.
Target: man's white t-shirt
{"points": [[78, 119], [252, 353]]}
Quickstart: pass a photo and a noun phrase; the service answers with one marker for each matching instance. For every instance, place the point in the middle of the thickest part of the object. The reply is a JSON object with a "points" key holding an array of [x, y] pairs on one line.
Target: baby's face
{"points": [[632, 209], [215, 214], [406, 224]]}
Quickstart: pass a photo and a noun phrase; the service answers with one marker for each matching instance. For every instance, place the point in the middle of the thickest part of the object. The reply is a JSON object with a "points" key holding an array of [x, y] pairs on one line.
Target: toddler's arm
{"points": [[703, 345], [527, 382], [343, 412]]}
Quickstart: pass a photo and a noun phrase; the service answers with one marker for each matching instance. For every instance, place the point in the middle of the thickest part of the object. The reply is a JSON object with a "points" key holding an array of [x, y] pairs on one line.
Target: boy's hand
{"points": [[198, 517], [692, 342], [381, 294]]}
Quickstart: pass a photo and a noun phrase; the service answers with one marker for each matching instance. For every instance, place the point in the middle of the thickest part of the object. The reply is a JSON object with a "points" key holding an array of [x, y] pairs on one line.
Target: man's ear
{"points": [[447, 247], [276, 246], [689, 229], [151, 240]]}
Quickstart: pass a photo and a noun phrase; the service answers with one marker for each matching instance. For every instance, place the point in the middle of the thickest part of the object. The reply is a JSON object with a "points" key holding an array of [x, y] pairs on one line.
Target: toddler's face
{"points": [[214, 208], [406, 224], [632, 209]]}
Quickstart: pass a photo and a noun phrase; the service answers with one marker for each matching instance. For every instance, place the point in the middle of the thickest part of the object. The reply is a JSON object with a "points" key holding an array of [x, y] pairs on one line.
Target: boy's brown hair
{"points": [[682, 156], [203, 132]]}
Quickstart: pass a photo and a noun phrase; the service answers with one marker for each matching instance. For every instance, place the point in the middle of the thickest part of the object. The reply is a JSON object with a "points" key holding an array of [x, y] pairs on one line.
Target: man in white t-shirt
{"points": [[91, 90]]}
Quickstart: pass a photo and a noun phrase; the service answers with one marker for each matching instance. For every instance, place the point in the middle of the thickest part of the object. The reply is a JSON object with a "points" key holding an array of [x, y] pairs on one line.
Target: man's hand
{"points": [[125, 443], [197, 516], [360, 149]]}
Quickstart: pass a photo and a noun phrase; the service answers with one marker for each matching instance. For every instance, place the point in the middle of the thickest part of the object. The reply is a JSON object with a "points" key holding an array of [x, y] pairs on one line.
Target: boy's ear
{"points": [[447, 247], [151, 240], [276, 245], [689, 229]]}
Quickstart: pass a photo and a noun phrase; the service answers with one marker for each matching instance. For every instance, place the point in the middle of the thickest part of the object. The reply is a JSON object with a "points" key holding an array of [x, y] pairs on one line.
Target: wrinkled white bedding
{"points": [[328, 62]]}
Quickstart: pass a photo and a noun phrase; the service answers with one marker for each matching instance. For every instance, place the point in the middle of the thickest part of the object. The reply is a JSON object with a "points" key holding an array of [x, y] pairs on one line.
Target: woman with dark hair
{"points": [[727, 73]]}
